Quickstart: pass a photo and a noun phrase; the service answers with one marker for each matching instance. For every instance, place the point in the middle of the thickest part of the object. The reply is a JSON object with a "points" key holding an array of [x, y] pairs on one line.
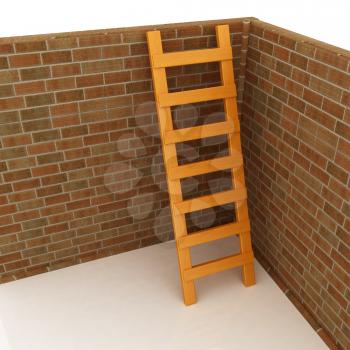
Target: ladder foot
{"points": [[248, 274], [189, 293]]}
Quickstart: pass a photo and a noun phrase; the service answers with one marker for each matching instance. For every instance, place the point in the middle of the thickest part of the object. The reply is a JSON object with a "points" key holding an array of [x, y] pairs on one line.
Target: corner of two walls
{"points": [[81, 162]]}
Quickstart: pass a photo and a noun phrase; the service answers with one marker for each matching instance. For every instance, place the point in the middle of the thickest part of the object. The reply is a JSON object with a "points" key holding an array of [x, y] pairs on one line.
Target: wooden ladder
{"points": [[175, 172]]}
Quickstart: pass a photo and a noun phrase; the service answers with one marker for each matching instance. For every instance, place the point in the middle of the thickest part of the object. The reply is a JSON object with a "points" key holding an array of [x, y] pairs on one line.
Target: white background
{"points": [[327, 21]]}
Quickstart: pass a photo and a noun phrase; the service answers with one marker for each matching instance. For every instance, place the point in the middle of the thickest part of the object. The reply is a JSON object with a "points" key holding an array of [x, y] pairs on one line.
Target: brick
{"points": [[69, 96], [45, 170], [11, 103], [333, 108], [305, 49], [74, 131], [26, 184], [333, 213], [284, 69], [344, 147], [331, 58], [343, 130], [49, 190], [17, 175], [61, 198], [10, 257], [40, 100], [6, 48], [318, 69], [115, 51], [100, 39], [35, 73], [136, 62], [60, 84], [36, 125], [19, 61], [10, 129], [343, 161], [69, 143], [287, 42], [90, 80], [62, 43], [3, 166], [325, 88], [91, 53], [346, 99], [64, 109], [75, 185], [8, 76], [50, 158], [10, 229], [7, 209], [65, 70], [27, 215], [9, 117], [313, 98], [96, 139], [78, 153], [12, 153], [320, 117], [265, 46], [57, 57], [140, 49], [189, 31], [34, 113], [41, 148], [72, 165], [339, 78], [6, 91], [337, 172], [65, 121], [46, 135], [29, 205], [104, 91], [296, 103], [30, 46], [33, 87], [117, 77], [281, 53], [102, 66], [133, 36], [340, 260], [21, 196]]}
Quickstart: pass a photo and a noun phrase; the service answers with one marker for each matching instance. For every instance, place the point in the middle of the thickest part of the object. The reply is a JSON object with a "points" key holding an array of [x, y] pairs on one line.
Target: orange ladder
{"points": [[175, 172]]}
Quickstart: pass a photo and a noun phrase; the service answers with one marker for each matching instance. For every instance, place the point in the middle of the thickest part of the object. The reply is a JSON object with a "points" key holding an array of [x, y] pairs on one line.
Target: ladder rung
{"points": [[211, 200], [205, 166], [218, 265], [199, 132], [212, 234], [173, 59], [196, 95]]}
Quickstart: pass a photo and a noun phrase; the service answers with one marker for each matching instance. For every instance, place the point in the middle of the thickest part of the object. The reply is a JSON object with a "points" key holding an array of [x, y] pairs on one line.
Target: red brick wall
{"points": [[81, 165], [80, 159], [296, 136]]}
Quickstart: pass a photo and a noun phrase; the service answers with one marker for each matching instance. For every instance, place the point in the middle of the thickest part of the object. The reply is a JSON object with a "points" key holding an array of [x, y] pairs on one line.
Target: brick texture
{"points": [[296, 140], [81, 167], [81, 170]]}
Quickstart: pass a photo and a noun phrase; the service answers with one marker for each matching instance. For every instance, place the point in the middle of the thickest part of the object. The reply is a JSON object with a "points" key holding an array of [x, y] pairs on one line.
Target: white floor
{"points": [[133, 301]]}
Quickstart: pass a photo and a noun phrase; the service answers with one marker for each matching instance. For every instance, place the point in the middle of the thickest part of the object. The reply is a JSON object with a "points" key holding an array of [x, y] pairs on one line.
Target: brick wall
{"points": [[296, 136], [81, 165], [82, 174]]}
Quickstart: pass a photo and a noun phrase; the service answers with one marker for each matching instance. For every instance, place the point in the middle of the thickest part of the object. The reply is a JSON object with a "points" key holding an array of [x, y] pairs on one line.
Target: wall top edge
{"points": [[264, 25], [301, 38], [35, 37]]}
